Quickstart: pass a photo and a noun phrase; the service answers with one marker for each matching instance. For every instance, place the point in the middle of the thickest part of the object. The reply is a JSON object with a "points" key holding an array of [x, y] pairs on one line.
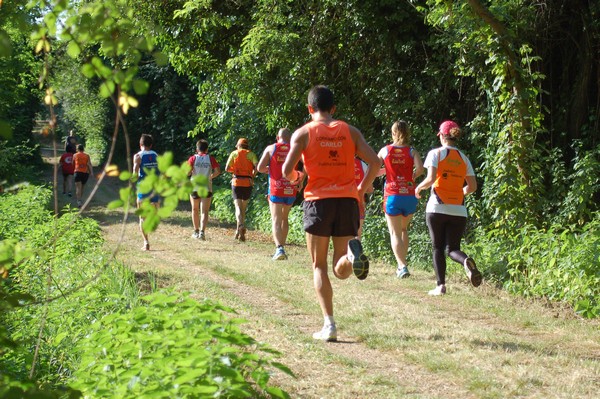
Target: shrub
{"points": [[173, 346], [559, 263]]}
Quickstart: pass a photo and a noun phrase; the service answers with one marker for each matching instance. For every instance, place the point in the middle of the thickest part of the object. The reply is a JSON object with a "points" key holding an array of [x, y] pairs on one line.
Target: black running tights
{"points": [[445, 231]]}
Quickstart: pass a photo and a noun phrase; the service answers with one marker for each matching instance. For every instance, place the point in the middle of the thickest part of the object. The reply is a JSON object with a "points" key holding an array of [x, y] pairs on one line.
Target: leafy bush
{"points": [[74, 292], [173, 346], [558, 263]]}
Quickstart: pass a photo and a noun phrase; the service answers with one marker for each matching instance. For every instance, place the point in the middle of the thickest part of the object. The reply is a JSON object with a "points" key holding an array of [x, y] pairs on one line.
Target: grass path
{"points": [[394, 340]]}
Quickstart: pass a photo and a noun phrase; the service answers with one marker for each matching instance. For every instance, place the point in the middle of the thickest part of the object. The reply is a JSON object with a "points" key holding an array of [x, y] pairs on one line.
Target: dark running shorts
{"points": [[195, 195], [81, 177], [241, 193], [331, 217]]}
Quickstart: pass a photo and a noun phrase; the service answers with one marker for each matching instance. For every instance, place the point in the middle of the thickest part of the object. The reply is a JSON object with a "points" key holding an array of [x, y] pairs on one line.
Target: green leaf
{"points": [[164, 161], [88, 71], [277, 392], [160, 58], [125, 175], [73, 49], [140, 86], [107, 88], [115, 204]]}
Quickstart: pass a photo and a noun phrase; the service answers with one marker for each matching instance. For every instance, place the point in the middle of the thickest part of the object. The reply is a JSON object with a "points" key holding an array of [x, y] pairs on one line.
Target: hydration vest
{"points": [[450, 179]]}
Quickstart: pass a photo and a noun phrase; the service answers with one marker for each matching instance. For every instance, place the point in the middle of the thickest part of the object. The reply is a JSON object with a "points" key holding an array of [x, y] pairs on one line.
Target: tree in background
{"points": [[20, 97]]}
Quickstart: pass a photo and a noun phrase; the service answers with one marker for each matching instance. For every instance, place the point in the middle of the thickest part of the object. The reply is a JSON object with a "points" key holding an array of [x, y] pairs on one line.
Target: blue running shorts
{"points": [[394, 205], [282, 200]]}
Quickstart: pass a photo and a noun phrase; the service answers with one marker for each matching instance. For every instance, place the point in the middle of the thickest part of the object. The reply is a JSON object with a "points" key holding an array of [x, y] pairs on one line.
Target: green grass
{"points": [[396, 341]]}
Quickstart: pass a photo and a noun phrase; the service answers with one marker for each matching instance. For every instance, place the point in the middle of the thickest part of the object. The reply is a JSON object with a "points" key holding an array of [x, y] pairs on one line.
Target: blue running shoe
{"points": [[360, 262], [279, 254], [402, 272]]}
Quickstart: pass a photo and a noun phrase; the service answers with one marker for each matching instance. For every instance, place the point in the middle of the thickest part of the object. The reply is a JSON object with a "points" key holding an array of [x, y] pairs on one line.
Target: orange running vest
{"points": [[450, 179], [242, 169], [329, 161]]}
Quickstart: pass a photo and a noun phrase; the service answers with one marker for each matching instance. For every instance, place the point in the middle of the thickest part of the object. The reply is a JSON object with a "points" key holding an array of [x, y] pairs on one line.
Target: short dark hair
{"points": [[80, 147], [146, 140], [320, 98], [202, 145], [70, 149]]}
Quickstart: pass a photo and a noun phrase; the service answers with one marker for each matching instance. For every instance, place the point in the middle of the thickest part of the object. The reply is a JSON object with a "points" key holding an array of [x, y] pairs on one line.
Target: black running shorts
{"points": [[242, 193], [81, 177], [195, 195], [331, 217]]}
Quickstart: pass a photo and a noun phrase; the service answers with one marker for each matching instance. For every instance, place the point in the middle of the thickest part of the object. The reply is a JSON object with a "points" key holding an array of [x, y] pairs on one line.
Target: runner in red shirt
{"points": [[282, 193], [68, 169], [402, 166]]}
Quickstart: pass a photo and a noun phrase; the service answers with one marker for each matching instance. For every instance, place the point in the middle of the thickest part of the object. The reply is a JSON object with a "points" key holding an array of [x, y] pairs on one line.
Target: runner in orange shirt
{"points": [[83, 170], [331, 197], [242, 164], [448, 169]]}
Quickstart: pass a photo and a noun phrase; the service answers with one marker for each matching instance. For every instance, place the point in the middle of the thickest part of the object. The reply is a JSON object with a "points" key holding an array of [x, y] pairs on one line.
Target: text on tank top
{"points": [[399, 166], [450, 178], [329, 161], [359, 171], [278, 185], [81, 160], [202, 165], [149, 161]]}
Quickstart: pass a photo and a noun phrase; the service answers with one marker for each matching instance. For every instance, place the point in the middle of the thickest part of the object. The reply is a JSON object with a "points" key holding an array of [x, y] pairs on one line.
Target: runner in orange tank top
{"points": [[448, 169], [242, 164], [327, 147], [83, 170]]}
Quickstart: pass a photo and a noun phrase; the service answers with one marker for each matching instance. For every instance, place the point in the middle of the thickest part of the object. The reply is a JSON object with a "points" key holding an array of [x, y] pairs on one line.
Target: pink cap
{"points": [[446, 126]]}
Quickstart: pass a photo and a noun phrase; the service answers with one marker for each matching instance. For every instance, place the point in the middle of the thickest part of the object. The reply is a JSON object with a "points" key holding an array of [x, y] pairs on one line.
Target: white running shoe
{"points": [[201, 236], [196, 234], [437, 291], [327, 333]]}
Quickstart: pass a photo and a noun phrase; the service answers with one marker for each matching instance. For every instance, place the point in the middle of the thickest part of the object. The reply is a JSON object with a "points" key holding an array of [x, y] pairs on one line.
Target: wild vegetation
{"points": [[521, 81]]}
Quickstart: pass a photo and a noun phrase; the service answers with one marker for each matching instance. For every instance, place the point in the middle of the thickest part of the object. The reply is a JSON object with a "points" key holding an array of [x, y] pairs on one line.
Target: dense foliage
{"points": [[72, 316], [517, 76]]}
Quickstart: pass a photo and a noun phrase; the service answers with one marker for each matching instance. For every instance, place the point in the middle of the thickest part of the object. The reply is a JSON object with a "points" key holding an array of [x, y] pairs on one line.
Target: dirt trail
{"points": [[395, 341]]}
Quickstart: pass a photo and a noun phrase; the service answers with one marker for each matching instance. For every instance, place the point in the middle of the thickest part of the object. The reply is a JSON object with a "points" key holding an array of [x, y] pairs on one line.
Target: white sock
{"points": [[329, 321]]}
